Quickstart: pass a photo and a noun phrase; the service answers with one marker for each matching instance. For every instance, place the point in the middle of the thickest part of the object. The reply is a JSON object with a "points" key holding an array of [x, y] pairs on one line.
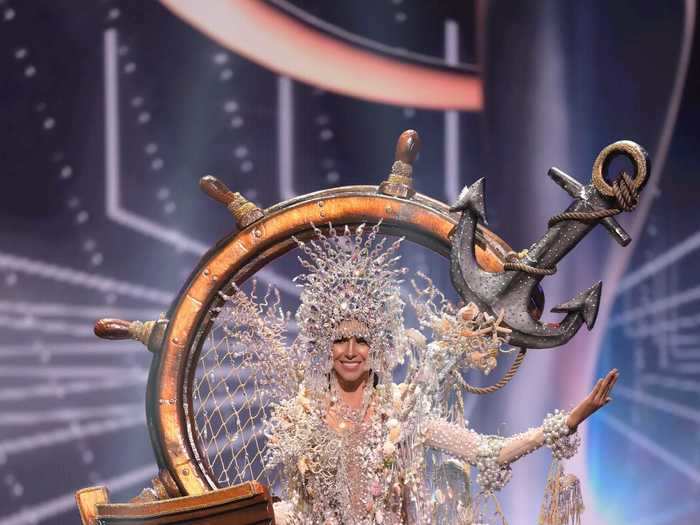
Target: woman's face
{"points": [[350, 358]]}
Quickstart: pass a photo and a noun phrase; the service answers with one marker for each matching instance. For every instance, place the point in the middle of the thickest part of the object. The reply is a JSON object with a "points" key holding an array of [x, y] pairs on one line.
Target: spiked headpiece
{"points": [[352, 277]]}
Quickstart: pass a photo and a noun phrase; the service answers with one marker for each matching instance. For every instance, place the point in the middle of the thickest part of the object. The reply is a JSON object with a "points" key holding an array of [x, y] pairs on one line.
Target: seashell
{"points": [[469, 312], [417, 337], [303, 465], [439, 496], [395, 434], [388, 449]]}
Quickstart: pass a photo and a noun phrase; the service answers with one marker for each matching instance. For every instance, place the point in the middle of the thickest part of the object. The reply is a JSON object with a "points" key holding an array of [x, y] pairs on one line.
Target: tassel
{"points": [[563, 502], [499, 510], [486, 510]]}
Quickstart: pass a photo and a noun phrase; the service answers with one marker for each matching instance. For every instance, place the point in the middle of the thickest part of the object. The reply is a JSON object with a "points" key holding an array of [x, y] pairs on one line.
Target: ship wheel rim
{"points": [[170, 410]]}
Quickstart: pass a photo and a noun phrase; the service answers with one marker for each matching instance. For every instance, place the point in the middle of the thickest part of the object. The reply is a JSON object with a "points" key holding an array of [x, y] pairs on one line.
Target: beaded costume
{"points": [[404, 457]]}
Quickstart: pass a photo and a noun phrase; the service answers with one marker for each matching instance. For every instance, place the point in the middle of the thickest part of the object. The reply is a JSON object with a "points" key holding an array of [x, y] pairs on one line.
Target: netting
{"points": [[243, 366]]}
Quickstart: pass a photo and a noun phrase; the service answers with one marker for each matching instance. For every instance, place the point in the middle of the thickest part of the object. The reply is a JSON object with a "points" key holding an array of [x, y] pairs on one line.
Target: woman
{"points": [[353, 446]]}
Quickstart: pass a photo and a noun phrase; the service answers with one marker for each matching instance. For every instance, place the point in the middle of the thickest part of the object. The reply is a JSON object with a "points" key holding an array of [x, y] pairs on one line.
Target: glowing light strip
{"points": [[25, 418], [670, 407], [32, 324], [65, 389], [91, 281], [646, 329], [98, 348], [668, 515], [675, 462], [281, 282], [42, 511], [111, 101], [680, 354], [285, 137], [76, 310], [54, 372], [67, 434], [685, 339], [280, 43], [684, 385], [656, 307], [684, 347], [667, 258], [451, 119], [684, 369]]}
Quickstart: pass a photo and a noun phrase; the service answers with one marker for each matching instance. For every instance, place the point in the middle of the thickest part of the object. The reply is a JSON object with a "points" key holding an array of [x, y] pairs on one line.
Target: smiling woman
{"points": [[350, 353], [350, 445]]}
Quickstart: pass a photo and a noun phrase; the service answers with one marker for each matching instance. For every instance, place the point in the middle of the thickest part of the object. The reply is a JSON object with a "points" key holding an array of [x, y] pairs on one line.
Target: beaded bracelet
{"points": [[491, 476], [558, 436]]}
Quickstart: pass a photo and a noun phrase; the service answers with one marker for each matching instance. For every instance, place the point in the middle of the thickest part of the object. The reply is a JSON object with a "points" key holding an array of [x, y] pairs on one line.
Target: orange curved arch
{"points": [[262, 34]]}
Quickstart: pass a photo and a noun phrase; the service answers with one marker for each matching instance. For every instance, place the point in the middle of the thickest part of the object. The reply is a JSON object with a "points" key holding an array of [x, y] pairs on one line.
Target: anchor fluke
{"points": [[586, 303], [472, 198]]}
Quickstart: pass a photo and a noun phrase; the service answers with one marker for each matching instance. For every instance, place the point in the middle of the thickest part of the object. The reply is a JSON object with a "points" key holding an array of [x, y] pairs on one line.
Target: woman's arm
{"points": [[495, 453], [464, 443], [598, 398]]}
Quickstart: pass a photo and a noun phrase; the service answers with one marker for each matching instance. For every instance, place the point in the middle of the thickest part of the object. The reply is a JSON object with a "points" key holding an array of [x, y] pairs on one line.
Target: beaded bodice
{"points": [[340, 471], [406, 456], [373, 471]]}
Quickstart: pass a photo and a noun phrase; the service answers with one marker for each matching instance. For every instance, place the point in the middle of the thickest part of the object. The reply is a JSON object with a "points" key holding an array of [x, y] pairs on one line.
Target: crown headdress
{"points": [[352, 277]]}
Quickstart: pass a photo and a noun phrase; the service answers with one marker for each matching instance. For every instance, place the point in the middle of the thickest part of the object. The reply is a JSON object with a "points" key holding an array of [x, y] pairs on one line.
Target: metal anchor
{"points": [[511, 289]]}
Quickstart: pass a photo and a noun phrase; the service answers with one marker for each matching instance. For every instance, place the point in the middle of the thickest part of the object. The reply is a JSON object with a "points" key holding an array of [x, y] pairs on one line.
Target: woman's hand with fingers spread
{"points": [[599, 396]]}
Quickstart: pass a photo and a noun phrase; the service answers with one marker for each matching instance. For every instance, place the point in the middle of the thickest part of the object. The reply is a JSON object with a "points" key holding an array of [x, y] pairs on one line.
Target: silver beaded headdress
{"points": [[350, 277]]}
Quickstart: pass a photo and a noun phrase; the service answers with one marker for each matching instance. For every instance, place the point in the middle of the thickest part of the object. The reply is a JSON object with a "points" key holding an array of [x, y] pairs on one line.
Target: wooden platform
{"points": [[245, 504]]}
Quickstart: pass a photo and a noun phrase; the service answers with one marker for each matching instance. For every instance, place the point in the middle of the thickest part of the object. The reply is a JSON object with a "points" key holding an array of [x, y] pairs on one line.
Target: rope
{"points": [[626, 195], [583, 216], [627, 198], [503, 382], [529, 269]]}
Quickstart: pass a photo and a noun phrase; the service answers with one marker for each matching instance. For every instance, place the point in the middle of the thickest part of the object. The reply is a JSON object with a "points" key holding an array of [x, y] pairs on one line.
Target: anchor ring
{"points": [[634, 152]]}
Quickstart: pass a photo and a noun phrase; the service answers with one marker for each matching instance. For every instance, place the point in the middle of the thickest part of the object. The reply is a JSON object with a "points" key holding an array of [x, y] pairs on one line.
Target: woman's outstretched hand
{"points": [[599, 396]]}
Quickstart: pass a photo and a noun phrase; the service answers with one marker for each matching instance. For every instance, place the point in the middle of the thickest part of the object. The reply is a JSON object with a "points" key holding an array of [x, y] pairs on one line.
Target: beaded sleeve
{"points": [[492, 455], [465, 443], [558, 436]]}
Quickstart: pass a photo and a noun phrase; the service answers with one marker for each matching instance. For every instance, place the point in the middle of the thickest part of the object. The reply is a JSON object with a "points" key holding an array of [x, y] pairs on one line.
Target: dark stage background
{"points": [[112, 111]]}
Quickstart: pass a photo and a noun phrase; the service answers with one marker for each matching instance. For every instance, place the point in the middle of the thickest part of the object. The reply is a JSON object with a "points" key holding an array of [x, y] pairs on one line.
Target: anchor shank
{"points": [[563, 236]]}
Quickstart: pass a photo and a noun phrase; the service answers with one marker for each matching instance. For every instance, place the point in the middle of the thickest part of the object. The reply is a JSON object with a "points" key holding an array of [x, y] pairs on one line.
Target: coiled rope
{"points": [[497, 386]]}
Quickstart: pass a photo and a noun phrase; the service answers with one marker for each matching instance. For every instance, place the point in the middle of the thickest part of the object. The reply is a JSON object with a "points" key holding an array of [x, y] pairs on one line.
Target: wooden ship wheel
{"points": [[190, 487]]}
